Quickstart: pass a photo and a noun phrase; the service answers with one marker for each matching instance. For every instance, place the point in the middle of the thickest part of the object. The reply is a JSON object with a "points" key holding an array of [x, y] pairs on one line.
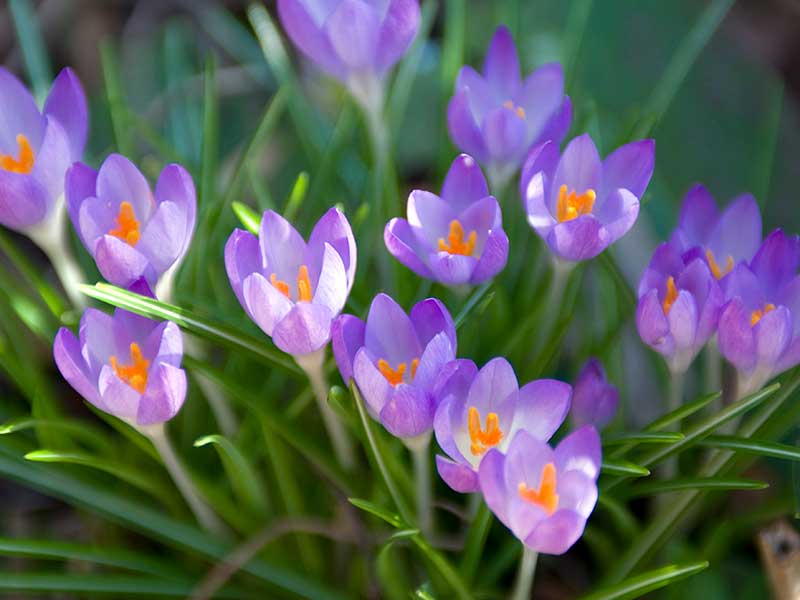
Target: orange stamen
{"points": [[757, 315], [483, 439], [128, 226], [303, 285], [571, 205], [545, 496], [672, 295], [279, 285], [23, 164], [393, 376], [517, 109], [714, 266], [135, 374], [455, 240]]}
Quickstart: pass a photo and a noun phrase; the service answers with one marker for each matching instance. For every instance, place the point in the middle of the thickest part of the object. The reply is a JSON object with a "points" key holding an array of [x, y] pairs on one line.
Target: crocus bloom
{"points": [[544, 496], [497, 116], [679, 305], [594, 399], [722, 239], [759, 328], [292, 289], [481, 410], [454, 239], [578, 204], [395, 359], [130, 232], [37, 147], [126, 365]]}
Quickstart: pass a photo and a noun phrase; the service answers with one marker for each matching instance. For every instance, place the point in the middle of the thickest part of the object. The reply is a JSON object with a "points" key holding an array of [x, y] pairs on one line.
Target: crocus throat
{"points": [[24, 163], [672, 295], [714, 266], [455, 243], [395, 376], [571, 205], [758, 314], [134, 374], [127, 226], [545, 496], [482, 439], [520, 112], [303, 285]]}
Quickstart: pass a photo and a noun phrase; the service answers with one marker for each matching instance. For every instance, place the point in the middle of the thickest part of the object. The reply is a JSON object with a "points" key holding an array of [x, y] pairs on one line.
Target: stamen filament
{"points": [[303, 285], [758, 314], [571, 205], [455, 243], [714, 266], [25, 161], [482, 439], [672, 295]]}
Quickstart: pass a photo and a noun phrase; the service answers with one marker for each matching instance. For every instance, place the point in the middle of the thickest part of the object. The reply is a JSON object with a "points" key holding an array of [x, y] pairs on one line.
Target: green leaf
{"points": [[248, 217], [34, 50], [296, 196], [681, 413], [476, 539], [123, 133], [652, 488], [751, 446], [209, 165], [391, 518], [656, 437], [76, 429], [457, 585], [471, 304], [241, 475], [623, 468], [640, 585]]}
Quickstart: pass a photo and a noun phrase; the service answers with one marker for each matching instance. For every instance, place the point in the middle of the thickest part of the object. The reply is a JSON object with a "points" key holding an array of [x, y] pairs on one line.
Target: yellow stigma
{"points": [[303, 285], [545, 496], [520, 112], [134, 374], [23, 164], [127, 226], [714, 266], [757, 315], [455, 243], [672, 295], [571, 205], [395, 376], [482, 439]]}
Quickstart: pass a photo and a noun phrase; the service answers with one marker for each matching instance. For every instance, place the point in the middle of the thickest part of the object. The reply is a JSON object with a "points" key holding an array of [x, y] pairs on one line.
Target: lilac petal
{"points": [[282, 247], [95, 219], [578, 239], [579, 168], [594, 401], [452, 269], [682, 319], [66, 102], [431, 317], [738, 231], [459, 477], [331, 290], [491, 478], [501, 67], [557, 533], [333, 228], [455, 380], [18, 114], [307, 35], [618, 212], [542, 406], [736, 340], [743, 283], [576, 492], [542, 95], [525, 460], [580, 451], [400, 24], [353, 31], [164, 396], [175, 185], [666, 260], [480, 217], [493, 258], [558, 125], [390, 333], [372, 384], [80, 182], [305, 329], [790, 358], [463, 128], [629, 167], [120, 263], [773, 334], [534, 188], [23, 200], [97, 339], [403, 244], [263, 303], [120, 399], [67, 354], [448, 411], [129, 327], [163, 238], [464, 183], [505, 134], [494, 384], [242, 258], [429, 216], [776, 261], [698, 216], [481, 97], [347, 337], [437, 354], [170, 343], [409, 412], [120, 181], [53, 160], [651, 322]]}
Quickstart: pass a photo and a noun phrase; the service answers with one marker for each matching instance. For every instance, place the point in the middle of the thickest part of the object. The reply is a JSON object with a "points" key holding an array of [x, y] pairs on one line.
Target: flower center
{"points": [[758, 314], [127, 226], [518, 110], [545, 496], [134, 374], [303, 285], [571, 205], [396, 376], [672, 295], [455, 243], [24, 163], [714, 266], [483, 439]]}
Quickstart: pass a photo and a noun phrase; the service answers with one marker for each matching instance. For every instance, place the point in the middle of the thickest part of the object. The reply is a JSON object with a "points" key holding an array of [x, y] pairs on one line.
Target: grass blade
{"points": [[655, 437], [623, 468], [750, 446], [651, 488], [636, 587], [241, 475], [34, 51], [249, 218]]}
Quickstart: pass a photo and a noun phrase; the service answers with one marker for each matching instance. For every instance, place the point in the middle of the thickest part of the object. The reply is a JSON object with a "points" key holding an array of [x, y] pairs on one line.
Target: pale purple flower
{"points": [[594, 399], [455, 239], [544, 496], [483, 410], [292, 289], [579, 204]]}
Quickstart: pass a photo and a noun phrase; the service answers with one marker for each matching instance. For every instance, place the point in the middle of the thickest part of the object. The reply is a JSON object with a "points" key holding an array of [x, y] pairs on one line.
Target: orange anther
{"points": [[714, 266], [127, 226], [545, 496], [672, 295], [135, 374], [757, 315], [455, 240], [24, 163], [483, 439], [571, 205]]}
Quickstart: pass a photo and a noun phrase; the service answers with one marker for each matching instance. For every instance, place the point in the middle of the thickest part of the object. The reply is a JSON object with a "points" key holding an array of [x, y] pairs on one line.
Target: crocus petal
{"points": [[331, 290], [501, 67], [175, 185], [682, 319], [120, 181], [163, 238], [464, 183], [18, 113], [493, 258], [263, 303], [390, 333], [353, 30], [333, 228], [594, 401], [455, 380], [651, 322], [556, 534], [577, 492], [452, 269], [736, 340], [164, 396], [281, 246], [492, 386], [169, 347], [80, 183], [482, 216], [491, 479], [53, 161], [579, 168], [580, 451], [399, 27], [618, 212], [448, 411], [629, 167], [536, 174], [505, 134], [773, 334], [119, 399], [698, 216], [481, 97], [579, 239], [97, 339], [459, 477], [23, 200], [431, 317], [66, 102], [409, 412], [242, 258], [372, 384], [776, 261], [403, 244], [463, 128], [67, 354], [347, 337], [738, 231], [429, 216], [542, 406], [305, 329], [558, 125], [743, 283], [437, 354], [307, 35], [120, 263], [541, 96]]}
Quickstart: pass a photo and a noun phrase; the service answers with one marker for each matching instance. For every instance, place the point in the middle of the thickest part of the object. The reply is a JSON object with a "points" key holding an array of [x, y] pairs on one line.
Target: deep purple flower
{"points": [[454, 239], [130, 232], [594, 399], [759, 327], [497, 116], [481, 410], [395, 359], [544, 496], [126, 365], [37, 147], [722, 239], [580, 204], [292, 289], [679, 305]]}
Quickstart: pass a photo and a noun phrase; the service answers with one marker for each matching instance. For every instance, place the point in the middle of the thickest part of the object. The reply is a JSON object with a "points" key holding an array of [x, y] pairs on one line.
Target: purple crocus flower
{"points": [[759, 327], [594, 399], [497, 116], [455, 239], [544, 496], [580, 204], [483, 410], [722, 239], [126, 365], [129, 231], [679, 305], [292, 289], [37, 147], [395, 359]]}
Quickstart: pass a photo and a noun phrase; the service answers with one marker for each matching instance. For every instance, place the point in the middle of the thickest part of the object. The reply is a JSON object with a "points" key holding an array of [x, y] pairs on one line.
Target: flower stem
{"points": [[422, 477], [674, 400], [527, 569]]}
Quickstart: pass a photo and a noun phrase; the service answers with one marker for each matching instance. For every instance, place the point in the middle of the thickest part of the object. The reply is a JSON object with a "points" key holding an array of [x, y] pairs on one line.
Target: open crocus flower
{"points": [[679, 305], [37, 147], [292, 289], [130, 232], [395, 359], [594, 399], [481, 410], [497, 116], [722, 239], [759, 327], [578, 204], [454, 239], [126, 365], [544, 496]]}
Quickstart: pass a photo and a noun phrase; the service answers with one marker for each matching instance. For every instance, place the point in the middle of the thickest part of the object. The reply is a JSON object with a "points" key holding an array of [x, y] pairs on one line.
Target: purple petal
{"points": [[481, 216], [331, 290], [282, 247], [409, 412], [557, 533], [333, 228], [429, 216], [580, 451], [66, 102], [682, 319], [164, 238], [773, 334], [263, 303], [23, 201], [505, 135], [452, 269], [618, 212], [629, 167], [120, 181], [80, 183], [501, 66], [120, 399], [558, 125], [455, 380], [347, 338], [459, 477], [698, 216], [390, 333], [431, 317], [67, 354], [743, 283], [464, 183], [738, 231], [542, 97], [537, 172], [403, 244], [736, 340], [242, 258], [305, 329], [491, 478], [120, 263], [372, 384], [579, 168], [437, 354], [400, 24], [97, 339], [307, 35], [578, 239], [164, 396], [481, 97], [175, 185], [776, 261], [353, 31], [493, 258], [463, 128], [542, 406], [446, 418], [494, 384], [18, 114], [52, 161], [594, 400], [651, 322], [169, 344]]}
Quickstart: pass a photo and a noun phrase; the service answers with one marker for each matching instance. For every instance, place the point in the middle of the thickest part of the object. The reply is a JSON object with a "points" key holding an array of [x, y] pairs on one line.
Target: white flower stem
{"points": [[422, 477], [527, 569]]}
